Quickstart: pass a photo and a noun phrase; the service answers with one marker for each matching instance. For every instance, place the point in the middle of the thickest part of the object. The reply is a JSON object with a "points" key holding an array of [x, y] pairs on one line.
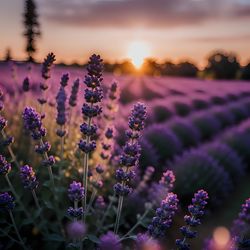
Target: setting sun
{"points": [[137, 52]]}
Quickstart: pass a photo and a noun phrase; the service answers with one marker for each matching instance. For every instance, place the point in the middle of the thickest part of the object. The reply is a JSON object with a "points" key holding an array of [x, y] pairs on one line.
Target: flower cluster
{"points": [[93, 95], [75, 194], [168, 179], [164, 216], [47, 64], [3, 123], [131, 151], [6, 202], [241, 226], [110, 241], [112, 99], [107, 143], [74, 92], [26, 84], [5, 167], [33, 123], [61, 110], [196, 210], [28, 177]]}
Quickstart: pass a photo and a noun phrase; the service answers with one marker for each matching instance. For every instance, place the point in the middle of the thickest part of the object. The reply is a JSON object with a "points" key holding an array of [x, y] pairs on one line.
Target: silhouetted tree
{"points": [[223, 65], [169, 68], [187, 69], [151, 67], [246, 72], [8, 56], [32, 27]]}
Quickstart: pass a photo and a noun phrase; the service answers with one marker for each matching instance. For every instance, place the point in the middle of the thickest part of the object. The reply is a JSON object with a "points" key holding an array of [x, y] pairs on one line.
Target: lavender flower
{"points": [[33, 123], [241, 227], [28, 177], [76, 230], [74, 92], [164, 216], [100, 203], [93, 95], [144, 241], [131, 151], [6, 202], [110, 241], [26, 84], [3, 123], [47, 64], [64, 80], [75, 212], [112, 99], [75, 191], [168, 179], [196, 210], [107, 143], [5, 167]]}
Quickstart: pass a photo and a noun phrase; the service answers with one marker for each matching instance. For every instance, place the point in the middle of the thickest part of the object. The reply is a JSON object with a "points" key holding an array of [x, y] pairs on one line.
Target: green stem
{"points": [[92, 198], [13, 157], [118, 216], [17, 197], [136, 225], [62, 145], [85, 175], [10, 237], [107, 211], [17, 232]]}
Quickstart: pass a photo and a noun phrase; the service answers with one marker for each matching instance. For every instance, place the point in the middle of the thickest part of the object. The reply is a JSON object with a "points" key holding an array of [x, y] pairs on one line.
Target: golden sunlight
{"points": [[137, 52]]}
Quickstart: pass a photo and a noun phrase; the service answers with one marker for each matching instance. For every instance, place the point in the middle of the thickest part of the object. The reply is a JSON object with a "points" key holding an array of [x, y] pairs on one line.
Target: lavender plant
{"points": [[90, 109], [129, 158], [196, 210]]}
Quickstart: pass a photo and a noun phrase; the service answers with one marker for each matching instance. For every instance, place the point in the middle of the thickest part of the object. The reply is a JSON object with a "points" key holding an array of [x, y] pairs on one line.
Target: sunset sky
{"points": [[176, 29]]}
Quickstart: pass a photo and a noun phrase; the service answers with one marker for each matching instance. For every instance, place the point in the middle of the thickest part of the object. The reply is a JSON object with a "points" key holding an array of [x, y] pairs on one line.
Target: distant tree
{"points": [[246, 72], [169, 68], [223, 65], [8, 56], [151, 67], [32, 27], [187, 69]]}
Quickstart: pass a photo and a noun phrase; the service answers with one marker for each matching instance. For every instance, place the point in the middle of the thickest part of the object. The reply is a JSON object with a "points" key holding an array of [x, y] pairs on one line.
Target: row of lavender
{"points": [[97, 181]]}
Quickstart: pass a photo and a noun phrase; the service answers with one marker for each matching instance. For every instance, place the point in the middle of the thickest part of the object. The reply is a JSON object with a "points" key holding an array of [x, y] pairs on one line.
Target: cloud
{"points": [[146, 13]]}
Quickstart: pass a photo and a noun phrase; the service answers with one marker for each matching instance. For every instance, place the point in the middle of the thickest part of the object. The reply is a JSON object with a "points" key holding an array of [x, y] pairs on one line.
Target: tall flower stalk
{"points": [[196, 210], [7, 205], [5, 168], [129, 158], [46, 74], [33, 123], [164, 216], [61, 111], [90, 109]]}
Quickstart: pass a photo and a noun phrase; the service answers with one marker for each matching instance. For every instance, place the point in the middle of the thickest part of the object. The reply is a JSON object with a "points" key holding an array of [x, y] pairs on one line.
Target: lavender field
{"points": [[100, 161]]}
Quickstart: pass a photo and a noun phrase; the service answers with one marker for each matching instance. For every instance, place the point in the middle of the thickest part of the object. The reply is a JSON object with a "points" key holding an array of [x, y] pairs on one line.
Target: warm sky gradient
{"points": [[176, 29]]}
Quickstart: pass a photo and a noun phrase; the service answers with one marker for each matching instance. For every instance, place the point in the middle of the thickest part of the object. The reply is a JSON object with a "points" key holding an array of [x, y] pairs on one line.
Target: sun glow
{"points": [[137, 52]]}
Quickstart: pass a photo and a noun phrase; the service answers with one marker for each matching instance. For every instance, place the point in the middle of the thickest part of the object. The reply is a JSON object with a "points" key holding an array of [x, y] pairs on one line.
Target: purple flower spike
{"points": [[138, 117], [33, 123], [28, 177], [74, 93], [47, 64], [110, 241], [3, 123], [61, 106], [164, 216], [168, 179], [196, 210], [242, 223], [75, 191], [6, 202], [26, 84], [64, 80], [5, 167]]}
